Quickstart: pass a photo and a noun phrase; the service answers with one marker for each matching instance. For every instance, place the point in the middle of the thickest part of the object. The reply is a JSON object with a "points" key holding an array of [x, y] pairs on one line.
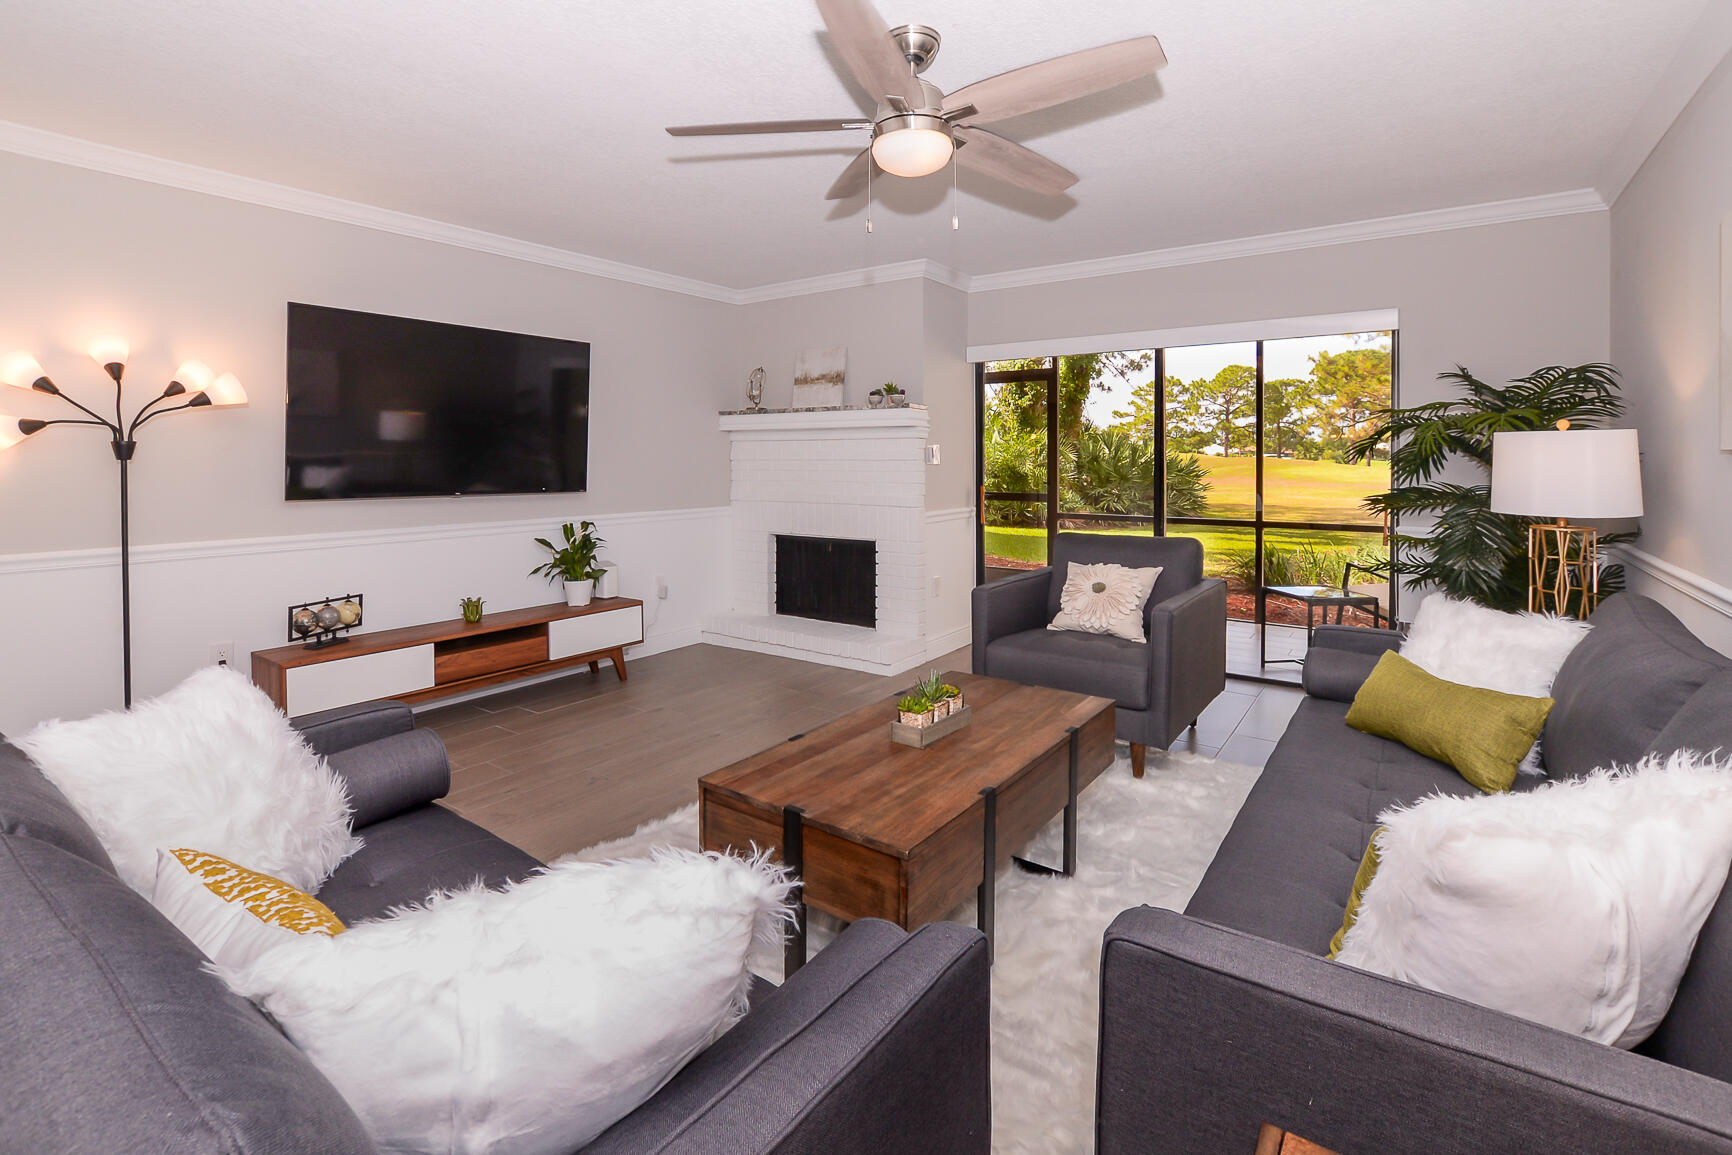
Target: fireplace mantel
{"points": [[854, 473]]}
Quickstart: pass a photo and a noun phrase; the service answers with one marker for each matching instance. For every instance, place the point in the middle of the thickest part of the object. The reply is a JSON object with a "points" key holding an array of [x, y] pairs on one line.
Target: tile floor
{"points": [[1242, 725]]}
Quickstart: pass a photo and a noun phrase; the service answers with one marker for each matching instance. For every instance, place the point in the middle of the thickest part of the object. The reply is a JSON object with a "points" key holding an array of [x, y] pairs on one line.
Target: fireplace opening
{"points": [[831, 579]]}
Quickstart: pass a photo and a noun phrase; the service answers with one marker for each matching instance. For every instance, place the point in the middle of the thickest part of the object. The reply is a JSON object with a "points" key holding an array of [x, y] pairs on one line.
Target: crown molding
{"points": [[55, 147], [1584, 200], [51, 146], [1703, 50]]}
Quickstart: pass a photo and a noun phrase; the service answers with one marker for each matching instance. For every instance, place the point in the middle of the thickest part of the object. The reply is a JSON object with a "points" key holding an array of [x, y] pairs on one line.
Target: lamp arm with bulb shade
{"points": [[24, 372]]}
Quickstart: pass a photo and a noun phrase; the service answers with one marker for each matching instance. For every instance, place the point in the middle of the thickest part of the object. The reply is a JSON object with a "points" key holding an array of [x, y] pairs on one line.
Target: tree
{"points": [[1471, 552], [1213, 411], [1113, 471], [1286, 404], [1078, 376], [1350, 388]]}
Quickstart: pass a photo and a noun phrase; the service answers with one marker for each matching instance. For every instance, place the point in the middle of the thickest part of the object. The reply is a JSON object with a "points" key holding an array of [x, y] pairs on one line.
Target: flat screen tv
{"points": [[391, 407]]}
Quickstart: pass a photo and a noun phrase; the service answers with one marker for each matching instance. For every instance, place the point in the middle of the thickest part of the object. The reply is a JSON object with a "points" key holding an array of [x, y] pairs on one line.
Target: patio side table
{"points": [[1314, 598]]}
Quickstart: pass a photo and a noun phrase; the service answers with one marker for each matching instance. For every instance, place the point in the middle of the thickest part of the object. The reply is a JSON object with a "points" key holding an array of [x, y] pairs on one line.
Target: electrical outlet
{"points": [[662, 589], [222, 653]]}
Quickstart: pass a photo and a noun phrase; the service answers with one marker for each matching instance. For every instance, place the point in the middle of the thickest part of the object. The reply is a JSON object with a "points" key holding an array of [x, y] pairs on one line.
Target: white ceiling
{"points": [[543, 121]]}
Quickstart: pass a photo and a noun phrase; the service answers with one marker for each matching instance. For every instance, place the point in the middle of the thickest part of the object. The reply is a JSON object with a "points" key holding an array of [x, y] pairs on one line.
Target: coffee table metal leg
{"points": [[989, 862], [794, 947], [1069, 867]]}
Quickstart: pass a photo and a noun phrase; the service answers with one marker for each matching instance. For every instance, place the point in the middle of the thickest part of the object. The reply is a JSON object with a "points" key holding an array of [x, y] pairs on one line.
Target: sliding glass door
{"points": [[1243, 446]]}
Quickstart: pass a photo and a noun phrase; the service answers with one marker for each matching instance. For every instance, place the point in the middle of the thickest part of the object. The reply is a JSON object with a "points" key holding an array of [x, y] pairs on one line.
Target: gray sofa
{"points": [[1158, 687], [1227, 1017], [114, 1040]]}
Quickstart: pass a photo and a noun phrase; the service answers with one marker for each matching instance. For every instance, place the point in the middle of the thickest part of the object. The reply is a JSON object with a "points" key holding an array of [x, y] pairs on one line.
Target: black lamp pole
{"points": [[121, 440]]}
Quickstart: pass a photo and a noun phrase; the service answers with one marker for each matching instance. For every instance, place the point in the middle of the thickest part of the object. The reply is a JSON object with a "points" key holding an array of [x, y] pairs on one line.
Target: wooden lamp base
{"points": [[1563, 568]]}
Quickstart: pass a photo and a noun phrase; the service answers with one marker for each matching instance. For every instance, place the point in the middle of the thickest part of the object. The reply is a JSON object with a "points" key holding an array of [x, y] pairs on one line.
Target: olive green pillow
{"points": [[1361, 880], [1482, 733]]}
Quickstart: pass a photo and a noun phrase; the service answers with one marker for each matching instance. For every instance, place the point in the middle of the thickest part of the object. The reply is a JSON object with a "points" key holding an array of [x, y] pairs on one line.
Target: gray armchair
{"points": [[1159, 687]]}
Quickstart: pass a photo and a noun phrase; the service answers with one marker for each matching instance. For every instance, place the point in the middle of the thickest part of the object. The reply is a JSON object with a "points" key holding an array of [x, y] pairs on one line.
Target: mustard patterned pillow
{"points": [[234, 915], [1105, 599]]}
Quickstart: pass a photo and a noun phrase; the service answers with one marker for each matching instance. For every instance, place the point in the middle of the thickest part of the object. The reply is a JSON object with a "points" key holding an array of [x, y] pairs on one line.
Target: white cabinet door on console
{"points": [[345, 681], [591, 633]]}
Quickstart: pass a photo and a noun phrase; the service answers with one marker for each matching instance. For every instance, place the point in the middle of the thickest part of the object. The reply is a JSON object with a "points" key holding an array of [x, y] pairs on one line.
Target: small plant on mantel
{"points": [[471, 609], [573, 562]]}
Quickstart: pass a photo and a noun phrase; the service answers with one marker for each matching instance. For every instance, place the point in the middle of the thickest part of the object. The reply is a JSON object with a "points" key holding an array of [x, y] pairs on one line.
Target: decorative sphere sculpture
{"points": [[349, 613], [329, 617], [304, 622]]}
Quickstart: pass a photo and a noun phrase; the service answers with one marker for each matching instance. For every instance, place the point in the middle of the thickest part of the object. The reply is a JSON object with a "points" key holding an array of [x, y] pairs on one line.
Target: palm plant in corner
{"points": [[1469, 551], [573, 562]]}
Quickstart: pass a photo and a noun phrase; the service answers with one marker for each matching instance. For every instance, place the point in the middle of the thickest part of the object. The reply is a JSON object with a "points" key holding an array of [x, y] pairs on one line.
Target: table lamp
{"points": [[1565, 473]]}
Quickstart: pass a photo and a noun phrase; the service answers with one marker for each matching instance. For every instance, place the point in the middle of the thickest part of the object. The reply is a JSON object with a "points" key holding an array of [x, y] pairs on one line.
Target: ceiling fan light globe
{"points": [[912, 151]]}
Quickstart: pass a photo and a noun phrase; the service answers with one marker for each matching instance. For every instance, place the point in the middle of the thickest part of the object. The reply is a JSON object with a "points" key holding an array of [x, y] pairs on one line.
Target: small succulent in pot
{"points": [[895, 394], [914, 710], [472, 609], [932, 689]]}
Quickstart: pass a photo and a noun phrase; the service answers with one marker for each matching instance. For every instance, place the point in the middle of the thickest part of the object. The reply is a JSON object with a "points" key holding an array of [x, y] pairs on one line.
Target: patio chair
{"points": [[1159, 686], [1378, 589]]}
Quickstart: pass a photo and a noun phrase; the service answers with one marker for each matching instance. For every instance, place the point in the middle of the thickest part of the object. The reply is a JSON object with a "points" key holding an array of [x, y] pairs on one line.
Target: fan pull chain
{"points": [[870, 165], [955, 216]]}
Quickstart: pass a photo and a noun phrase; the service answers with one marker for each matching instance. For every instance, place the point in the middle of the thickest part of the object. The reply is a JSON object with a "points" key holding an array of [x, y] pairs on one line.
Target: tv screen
{"points": [[391, 407]]}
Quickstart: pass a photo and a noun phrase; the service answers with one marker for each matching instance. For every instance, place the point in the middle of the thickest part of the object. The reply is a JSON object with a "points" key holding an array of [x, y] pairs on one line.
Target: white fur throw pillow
{"points": [[212, 764], [525, 1021], [1466, 643], [1105, 599], [1576, 904]]}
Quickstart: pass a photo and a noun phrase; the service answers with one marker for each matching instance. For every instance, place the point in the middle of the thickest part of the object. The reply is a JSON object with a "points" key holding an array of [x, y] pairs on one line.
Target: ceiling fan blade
{"points": [[756, 126], [992, 155], [853, 178], [863, 39], [1060, 79]]}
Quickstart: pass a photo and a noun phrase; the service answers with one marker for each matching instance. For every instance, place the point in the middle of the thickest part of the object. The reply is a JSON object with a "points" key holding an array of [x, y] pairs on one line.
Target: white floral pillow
{"points": [[1105, 599]]}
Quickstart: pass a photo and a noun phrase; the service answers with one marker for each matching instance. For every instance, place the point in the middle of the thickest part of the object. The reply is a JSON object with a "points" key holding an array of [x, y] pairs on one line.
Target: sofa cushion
{"points": [[406, 858], [117, 1040], [1704, 724], [1084, 663], [1286, 867], [1620, 687], [33, 807]]}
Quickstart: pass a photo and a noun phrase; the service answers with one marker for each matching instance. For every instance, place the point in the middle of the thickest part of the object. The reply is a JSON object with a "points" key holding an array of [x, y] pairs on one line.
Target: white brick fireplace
{"points": [[837, 473]]}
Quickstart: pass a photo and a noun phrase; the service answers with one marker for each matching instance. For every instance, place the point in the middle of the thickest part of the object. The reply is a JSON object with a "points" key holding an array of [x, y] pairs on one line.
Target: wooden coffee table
{"points": [[874, 829]]}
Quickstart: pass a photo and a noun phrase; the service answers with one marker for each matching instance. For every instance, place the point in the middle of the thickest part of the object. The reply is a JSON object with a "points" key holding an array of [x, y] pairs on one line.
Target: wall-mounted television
{"points": [[392, 407]]}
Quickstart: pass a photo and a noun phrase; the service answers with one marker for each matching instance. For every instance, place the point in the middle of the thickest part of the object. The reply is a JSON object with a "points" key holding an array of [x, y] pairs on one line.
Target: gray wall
{"points": [[1667, 321]]}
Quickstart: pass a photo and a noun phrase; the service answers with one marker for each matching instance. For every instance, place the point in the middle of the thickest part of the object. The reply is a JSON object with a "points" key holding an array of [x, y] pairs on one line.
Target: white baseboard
{"points": [[940, 644]]}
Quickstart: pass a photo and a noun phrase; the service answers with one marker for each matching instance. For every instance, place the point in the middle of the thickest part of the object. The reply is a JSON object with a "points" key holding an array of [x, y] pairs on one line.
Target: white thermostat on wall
{"points": [[932, 455]]}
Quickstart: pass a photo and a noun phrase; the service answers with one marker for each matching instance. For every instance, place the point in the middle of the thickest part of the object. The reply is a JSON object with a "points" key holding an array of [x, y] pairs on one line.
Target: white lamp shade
{"points": [[912, 151], [10, 434], [1567, 473], [193, 376], [226, 390], [21, 370], [107, 351]]}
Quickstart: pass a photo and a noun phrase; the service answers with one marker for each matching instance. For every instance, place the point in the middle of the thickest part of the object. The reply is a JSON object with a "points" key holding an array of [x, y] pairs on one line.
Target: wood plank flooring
{"points": [[562, 765]]}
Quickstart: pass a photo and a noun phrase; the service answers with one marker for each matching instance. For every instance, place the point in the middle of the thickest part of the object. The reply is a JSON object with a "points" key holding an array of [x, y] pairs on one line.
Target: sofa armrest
{"points": [[1188, 652], [1356, 639], [878, 1044], [329, 731], [1207, 1033], [1008, 606], [393, 775]]}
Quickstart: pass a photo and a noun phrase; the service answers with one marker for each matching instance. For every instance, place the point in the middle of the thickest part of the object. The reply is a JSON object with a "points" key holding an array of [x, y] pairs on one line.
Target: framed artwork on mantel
{"points": [[818, 377]]}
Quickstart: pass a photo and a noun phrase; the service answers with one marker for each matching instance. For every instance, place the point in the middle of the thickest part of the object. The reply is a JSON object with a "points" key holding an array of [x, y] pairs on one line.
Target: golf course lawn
{"points": [[1019, 543], [1293, 490]]}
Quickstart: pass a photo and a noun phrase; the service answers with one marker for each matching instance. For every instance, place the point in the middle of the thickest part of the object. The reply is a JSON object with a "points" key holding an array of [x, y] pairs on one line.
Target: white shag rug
{"points": [[1139, 842]]}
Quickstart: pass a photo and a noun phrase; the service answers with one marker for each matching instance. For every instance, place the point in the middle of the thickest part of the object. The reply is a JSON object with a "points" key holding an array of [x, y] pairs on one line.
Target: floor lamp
{"points": [[1564, 473], [192, 381]]}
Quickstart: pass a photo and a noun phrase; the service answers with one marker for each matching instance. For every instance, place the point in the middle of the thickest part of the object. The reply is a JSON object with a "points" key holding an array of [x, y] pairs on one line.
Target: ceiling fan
{"points": [[917, 129]]}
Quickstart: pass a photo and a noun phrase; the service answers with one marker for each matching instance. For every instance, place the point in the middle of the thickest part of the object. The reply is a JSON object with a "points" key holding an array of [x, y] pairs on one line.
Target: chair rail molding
{"points": [[1692, 585]]}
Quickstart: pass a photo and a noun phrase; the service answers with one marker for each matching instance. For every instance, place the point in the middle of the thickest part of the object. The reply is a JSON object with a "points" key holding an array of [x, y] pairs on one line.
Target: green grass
{"points": [[1029, 545], [1293, 490]]}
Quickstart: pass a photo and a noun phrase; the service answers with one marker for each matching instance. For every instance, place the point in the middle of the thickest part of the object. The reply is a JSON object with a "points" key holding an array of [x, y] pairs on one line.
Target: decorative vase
{"points": [[875, 399], [607, 585], [471, 610], [754, 391], [898, 400], [579, 593]]}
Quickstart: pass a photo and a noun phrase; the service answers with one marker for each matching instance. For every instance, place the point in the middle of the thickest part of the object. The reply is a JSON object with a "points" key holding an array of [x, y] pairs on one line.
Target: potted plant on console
{"points": [[573, 563]]}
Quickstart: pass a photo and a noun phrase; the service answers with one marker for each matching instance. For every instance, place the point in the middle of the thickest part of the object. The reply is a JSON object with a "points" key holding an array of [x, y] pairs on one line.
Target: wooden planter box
{"points": [[921, 737]]}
